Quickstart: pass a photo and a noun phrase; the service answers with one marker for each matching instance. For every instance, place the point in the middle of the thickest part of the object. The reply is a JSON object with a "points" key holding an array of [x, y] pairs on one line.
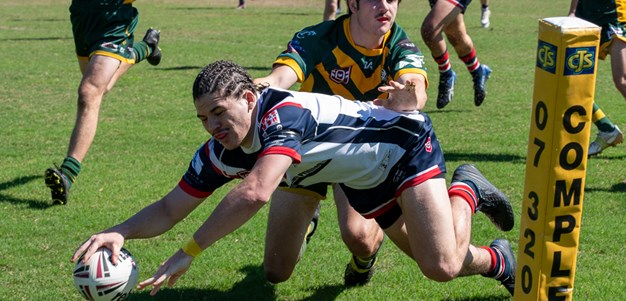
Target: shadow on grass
{"points": [[252, 287], [35, 204], [37, 39], [481, 298], [619, 187], [476, 157]]}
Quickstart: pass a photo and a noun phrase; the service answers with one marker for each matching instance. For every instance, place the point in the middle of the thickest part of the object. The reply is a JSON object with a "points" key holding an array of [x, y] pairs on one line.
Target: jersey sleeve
{"points": [[303, 51], [405, 56], [202, 178], [284, 127]]}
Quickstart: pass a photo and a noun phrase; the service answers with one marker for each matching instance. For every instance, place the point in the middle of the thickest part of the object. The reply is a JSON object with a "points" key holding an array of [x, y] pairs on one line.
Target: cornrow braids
{"points": [[223, 78]]}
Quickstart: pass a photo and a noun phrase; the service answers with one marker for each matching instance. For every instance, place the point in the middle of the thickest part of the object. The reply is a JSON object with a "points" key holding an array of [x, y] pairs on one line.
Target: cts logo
{"points": [[546, 56], [579, 60]]}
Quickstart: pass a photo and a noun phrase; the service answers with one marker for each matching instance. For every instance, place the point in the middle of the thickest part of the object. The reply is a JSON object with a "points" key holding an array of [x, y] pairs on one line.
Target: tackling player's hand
{"points": [[110, 240], [169, 271], [402, 97]]}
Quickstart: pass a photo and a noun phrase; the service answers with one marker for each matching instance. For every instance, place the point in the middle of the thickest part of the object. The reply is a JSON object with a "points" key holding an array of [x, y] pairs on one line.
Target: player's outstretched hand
{"points": [[169, 271], [110, 240], [402, 98]]}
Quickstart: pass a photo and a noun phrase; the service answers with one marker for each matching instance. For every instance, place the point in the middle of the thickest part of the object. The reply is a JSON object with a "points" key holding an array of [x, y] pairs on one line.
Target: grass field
{"points": [[148, 133]]}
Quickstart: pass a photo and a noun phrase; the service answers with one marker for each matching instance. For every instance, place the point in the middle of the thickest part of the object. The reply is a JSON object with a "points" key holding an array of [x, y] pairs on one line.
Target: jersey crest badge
{"points": [[270, 119], [341, 75], [428, 146]]}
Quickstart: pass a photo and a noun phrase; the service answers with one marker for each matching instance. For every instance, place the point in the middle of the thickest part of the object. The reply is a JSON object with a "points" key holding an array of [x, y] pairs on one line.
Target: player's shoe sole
{"points": [[58, 184], [152, 38], [491, 201]]}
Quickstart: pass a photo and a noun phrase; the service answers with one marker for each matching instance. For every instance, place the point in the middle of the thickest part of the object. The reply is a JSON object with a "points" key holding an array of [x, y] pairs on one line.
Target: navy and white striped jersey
{"points": [[365, 148]]}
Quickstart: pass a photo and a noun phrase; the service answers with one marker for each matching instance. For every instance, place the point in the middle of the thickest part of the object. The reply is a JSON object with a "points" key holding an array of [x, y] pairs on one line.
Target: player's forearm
{"points": [[160, 216], [149, 222], [239, 205]]}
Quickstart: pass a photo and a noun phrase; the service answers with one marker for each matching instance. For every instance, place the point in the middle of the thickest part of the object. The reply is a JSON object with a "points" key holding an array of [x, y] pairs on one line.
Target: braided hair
{"points": [[223, 78]]}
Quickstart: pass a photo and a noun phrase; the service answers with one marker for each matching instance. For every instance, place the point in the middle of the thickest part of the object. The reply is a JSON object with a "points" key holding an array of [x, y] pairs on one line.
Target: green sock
{"points": [[142, 50], [603, 123], [70, 168]]}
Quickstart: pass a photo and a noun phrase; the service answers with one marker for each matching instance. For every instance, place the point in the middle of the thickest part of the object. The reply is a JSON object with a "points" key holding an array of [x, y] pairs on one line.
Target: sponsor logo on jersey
{"points": [[270, 119], [305, 33], [294, 47], [341, 75], [367, 65], [407, 44], [546, 56], [579, 60]]}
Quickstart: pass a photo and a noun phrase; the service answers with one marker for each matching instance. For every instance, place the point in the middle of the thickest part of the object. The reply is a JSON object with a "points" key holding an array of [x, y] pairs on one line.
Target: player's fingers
{"points": [[115, 255], [173, 280], [155, 290], [145, 283], [80, 250], [92, 245]]}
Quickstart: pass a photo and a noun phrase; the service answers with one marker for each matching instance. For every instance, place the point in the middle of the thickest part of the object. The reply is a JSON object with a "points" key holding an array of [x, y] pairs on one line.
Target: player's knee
{"points": [[88, 92], [428, 33], [363, 243], [620, 84], [276, 276], [440, 271]]}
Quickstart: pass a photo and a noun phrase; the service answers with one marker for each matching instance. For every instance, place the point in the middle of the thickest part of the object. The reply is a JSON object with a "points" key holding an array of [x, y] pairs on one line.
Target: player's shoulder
{"points": [[399, 39], [321, 31]]}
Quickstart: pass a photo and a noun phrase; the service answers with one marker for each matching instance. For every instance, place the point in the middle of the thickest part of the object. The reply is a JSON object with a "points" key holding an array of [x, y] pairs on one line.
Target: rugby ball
{"points": [[99, 280]]}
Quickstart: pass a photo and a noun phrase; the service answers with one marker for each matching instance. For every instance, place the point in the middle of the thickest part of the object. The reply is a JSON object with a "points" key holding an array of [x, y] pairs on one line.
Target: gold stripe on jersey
{"points": [[620, 8], [293, 64]]}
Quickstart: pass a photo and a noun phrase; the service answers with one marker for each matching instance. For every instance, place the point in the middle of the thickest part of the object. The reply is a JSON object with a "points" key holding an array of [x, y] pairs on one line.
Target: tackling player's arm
{"points": [[408, 93], [239, 205], [282, 76]]}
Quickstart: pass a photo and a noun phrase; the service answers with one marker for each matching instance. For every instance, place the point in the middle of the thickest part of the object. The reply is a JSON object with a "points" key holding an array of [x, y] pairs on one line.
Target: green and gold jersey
{"points": [[326, 60], [601, 11]]}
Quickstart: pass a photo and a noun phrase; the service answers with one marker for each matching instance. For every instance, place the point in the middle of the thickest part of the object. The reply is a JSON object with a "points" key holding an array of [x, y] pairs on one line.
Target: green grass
{"points": [[148, 133]]}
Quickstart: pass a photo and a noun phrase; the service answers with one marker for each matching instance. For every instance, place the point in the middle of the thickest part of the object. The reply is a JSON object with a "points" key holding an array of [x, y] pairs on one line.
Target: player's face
{"points": [[376, 16], [228, 120]]}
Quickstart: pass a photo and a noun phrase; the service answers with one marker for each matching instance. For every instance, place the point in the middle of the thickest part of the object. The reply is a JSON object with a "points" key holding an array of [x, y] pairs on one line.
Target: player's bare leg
{"points": [[289, 219], [362, 236], [97, 77]]}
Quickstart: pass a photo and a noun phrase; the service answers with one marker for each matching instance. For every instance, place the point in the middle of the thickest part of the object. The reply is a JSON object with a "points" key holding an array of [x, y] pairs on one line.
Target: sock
{"points": [[497, 263], [364, 263], [142, 50], [471, 61], [71, 168], [603, 123], [444, 62], [467, 191], [485, 6]]}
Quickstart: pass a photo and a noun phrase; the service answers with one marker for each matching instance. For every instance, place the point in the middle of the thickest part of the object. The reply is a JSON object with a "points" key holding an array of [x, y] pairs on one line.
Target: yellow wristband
{"points": [[192, 248]]}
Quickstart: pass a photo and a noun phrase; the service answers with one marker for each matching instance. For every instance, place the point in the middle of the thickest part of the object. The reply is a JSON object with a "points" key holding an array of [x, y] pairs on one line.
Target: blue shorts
{"points": [[424, 162]]}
